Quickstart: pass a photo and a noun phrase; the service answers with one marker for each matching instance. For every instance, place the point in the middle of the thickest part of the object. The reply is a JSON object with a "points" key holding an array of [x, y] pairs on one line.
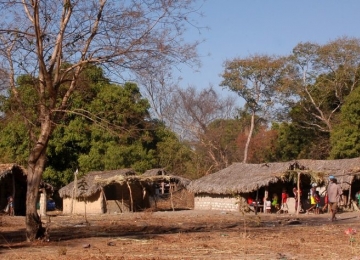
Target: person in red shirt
{"points": [[284, 205]]}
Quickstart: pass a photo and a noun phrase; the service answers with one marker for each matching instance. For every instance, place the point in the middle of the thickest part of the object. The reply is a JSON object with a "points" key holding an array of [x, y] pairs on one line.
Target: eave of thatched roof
{"points": [[10, 168], [155, 172], [92, 182], [160, 174], [243, 178]]}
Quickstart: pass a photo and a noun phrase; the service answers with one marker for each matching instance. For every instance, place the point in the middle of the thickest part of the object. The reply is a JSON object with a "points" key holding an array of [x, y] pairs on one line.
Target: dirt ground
{"points": [[187, 234]]}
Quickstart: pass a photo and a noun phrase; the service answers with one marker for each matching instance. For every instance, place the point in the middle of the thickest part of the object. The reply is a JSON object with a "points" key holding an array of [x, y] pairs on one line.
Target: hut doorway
{"points": [[14, 185], [355, 187], [125, 197]]}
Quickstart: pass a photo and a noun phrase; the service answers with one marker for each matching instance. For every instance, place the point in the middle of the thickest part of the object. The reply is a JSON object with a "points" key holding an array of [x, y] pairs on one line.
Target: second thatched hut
{"points": [[224, 189]]}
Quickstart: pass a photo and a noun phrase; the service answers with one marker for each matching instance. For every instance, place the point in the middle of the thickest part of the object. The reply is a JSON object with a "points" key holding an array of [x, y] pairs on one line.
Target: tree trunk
{"points": [[252, 125], [34, 227]]}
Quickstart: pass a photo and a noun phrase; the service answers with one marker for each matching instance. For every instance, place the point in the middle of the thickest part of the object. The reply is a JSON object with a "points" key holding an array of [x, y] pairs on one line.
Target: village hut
{"points": [[167, 191], [227, 189], [13, 182], [97, 193], [122, 190]]}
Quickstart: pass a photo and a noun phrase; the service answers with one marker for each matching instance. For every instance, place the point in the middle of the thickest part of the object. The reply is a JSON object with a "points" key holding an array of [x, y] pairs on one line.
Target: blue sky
{"points": [[239, 28]]}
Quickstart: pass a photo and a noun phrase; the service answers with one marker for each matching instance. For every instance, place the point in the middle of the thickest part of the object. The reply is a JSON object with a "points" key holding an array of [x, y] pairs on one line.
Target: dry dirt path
{"points": [[186, 235]]}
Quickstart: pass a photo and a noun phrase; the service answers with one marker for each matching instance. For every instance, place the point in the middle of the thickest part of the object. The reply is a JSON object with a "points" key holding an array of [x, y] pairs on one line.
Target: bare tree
{"points": [[159, 86], [54, 41], [190, 114]]}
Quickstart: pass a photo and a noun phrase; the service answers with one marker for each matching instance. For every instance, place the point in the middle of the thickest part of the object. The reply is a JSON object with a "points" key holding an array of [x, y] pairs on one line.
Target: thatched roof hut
{"points": [[244, 178], [116, 190], [93, 182], [13, 182]]}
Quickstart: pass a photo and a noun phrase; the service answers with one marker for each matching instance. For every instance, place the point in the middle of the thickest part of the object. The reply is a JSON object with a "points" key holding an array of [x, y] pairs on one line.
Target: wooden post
{"points": [[266, 195], [256, 200], [298, 194], [43, 203], [349, 197], [162, 187], [171, 200], [131, 198], [74, 191], [13, 195]]}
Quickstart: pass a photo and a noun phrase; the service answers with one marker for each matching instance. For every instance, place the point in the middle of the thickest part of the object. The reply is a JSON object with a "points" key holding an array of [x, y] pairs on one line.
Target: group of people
{"points": [[275, 204], [331, 199]]}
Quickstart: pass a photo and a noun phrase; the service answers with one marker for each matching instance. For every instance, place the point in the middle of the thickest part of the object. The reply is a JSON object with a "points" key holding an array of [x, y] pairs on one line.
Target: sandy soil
{"points": [[185, 235]]}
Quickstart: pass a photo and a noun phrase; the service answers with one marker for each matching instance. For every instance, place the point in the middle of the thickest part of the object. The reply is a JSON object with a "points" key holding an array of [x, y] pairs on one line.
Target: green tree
{"points": [[255, 79], [326, 75], [79, 143], [345, 136]]}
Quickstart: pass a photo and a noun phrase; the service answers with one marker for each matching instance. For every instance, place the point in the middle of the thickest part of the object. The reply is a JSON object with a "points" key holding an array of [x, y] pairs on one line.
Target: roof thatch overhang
{"points": [[244, 178], [160, 174], [95, 181], [155, 172], [12, 168], [89, 184], [20, 175]]}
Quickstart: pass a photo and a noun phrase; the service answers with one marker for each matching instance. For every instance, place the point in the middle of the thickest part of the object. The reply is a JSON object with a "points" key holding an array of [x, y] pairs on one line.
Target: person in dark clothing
{"points": [[334, 192]]}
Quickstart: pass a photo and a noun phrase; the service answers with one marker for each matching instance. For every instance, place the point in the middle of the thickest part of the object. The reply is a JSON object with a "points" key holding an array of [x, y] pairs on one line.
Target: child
{"points": [[358, 198], [10, 206], [275, 202], [284, 205], [317, 200], [312, 203]]}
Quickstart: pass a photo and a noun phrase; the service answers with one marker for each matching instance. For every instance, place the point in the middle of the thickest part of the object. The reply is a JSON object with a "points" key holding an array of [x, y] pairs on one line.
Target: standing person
{"points": [[10, 206], [357, 196], [317, 200], [312, 202], [284, 205], [275, 202], [334, 192]]}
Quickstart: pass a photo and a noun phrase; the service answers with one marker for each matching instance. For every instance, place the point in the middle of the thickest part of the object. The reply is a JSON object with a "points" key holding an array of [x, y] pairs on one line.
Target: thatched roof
{"points": [[91, 182], [243, 178], [94, 181], [11, 168], [155, 172], [160, 174]]}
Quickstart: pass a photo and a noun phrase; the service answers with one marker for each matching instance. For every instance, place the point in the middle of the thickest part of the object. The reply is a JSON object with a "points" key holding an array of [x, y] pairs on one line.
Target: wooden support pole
{"points": [[131, 197], [256, 200], [298, 194]]}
